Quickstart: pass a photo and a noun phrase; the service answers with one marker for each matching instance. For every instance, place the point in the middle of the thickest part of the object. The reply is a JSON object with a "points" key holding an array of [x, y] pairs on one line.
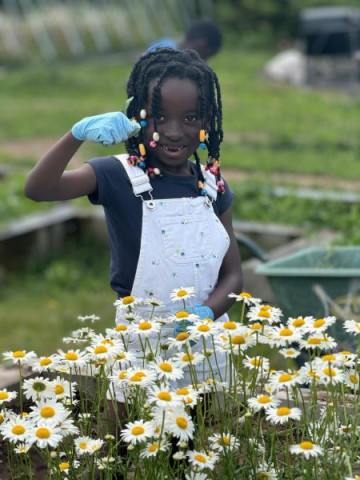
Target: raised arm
{"points": [[49, 181]]}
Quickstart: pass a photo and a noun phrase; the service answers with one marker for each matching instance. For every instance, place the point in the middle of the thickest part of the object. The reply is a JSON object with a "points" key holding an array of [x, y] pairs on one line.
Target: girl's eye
{"points": [[191, 118]]}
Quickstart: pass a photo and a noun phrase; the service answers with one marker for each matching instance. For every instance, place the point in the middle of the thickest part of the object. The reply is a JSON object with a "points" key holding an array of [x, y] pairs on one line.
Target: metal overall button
{"points": [[150, 204]]}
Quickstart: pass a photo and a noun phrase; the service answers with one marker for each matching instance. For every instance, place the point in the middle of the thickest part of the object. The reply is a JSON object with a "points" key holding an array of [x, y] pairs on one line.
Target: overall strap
{"points": [[210, 181], [139, 180]]}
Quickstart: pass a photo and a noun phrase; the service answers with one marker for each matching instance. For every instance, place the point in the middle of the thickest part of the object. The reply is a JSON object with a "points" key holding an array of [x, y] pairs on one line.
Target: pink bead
{"points": [[153, 144], [220, 183], [213, 170]]}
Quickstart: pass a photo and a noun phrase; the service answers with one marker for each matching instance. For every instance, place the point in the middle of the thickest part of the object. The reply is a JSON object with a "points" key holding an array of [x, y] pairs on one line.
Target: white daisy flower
{"points": [[265, 472], [258, 363], [154, 302], [136, 376], [22, 448], [167, 370], [319, 325], [43, 364], [348, 359], [68, 427], [16, 429], [352, 379], [6, 396], [72, 358], [182, 359], [203, 329], [224, 441], [282, 379], [282, 335], [309, 373], [188, 396], [38, 388], [91, 318], [63, 388], [289, 352], [101, 352], [181, 340], [124, 358], [330, 375], [95, 445], [83, 445], [307, 449], [201, 460], [182, 293], [264, 313], [282, 414], [21, 357], [137, 432], [245, 297], [46, 435], [318, 342], [145, 328], [65, 466], [182, 316], [299, 323], [127, 302], [180, 424], [122, 330], [231, 328], [153, 448], [196, 476], [263, 402], [162, 397], [49, 411], [352, 326]]}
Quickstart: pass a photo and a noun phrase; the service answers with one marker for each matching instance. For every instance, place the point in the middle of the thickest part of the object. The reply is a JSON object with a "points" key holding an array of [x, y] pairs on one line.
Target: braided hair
{"points": [[185, 64]]}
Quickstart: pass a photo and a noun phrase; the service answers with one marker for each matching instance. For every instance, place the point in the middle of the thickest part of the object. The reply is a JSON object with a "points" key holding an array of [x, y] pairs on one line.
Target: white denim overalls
{"points": [[183, 244]]}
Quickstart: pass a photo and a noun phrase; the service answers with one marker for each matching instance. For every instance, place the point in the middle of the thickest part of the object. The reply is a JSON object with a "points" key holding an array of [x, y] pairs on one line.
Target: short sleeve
{"points": [[224, 200], [110, 174]]}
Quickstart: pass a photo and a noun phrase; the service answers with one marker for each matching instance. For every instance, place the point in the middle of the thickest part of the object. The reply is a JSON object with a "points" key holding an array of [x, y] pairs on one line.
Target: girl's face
{"points": [[178, 124]]}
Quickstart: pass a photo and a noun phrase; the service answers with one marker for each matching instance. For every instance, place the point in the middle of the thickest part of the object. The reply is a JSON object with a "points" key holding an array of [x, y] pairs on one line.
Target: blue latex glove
{"points": [[181, 327], [107, 128], [203, 311]]}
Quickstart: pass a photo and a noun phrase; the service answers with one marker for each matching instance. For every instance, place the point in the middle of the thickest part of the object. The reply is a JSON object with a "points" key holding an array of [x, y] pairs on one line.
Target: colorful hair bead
{"points": [[150, 172], [157, 171], [132, 160], [143, 113], [153, 144], [143, 123], [142, 149], [156, 137], [202, 135], [142, 164], [202, 146]]}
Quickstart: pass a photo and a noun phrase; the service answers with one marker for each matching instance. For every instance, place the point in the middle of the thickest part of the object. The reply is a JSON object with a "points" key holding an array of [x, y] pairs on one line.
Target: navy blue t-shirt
{"points": [[123, 212]]}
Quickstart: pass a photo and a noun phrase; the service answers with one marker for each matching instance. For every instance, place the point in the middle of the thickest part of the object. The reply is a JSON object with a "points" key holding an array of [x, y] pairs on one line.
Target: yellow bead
{"points": [[202, 135], [142, 149], [200, 185]]}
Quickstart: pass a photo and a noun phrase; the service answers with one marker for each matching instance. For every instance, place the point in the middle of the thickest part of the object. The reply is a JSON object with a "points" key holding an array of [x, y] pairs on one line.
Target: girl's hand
{"points": [[107, 128]]}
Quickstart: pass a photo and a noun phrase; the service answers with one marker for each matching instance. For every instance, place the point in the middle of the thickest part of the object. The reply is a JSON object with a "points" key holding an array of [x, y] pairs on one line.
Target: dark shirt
{"points": [[123, 212]]}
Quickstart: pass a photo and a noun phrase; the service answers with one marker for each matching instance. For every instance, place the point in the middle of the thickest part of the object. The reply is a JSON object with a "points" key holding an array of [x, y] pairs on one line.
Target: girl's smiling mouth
{"points": [[172, 149]]}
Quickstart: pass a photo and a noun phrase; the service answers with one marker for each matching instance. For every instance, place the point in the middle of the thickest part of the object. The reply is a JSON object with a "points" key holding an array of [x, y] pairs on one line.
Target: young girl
{"points": [[168, 218]]}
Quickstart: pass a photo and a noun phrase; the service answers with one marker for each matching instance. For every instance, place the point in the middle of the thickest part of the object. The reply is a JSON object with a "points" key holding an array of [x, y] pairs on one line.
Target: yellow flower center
{"points": [[122, 375], [229, 325], [164, 396], [283, 411], [2, 418], [71, 356], [285, 377], [182, 391], [264, 399], [19, 354], [181, 422], [182, 336], [290, 352], [225, 440], [330, 372], [154, 447], [203, 328], [264, 313], [107, 341], [64, 465], [100, 349], [181, 293], [314, 341], [121, 328], [353, 379], [145, 325], [182, 314], [245, 295], [59, 389], [298, 322], [319, 323], [137, 430], [4, 395], [187, 357], [286, 332], [47, 412], [312, 374], [200, 458], [137, 377], [256, 326], [306, 445], [345, 353], [165, 367], [45, 361], [43, 432], [18, 430], [328, 358], [256, 362], [238, 340], [83, 445], [127, 300]]}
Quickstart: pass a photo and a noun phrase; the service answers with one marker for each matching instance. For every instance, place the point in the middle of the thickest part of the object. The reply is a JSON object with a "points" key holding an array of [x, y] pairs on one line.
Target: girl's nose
{"points": [[173, 131]]}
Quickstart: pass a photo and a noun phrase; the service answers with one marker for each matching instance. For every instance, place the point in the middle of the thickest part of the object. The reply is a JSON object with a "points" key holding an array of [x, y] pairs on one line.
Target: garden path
{"points": [[36, 147]]}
